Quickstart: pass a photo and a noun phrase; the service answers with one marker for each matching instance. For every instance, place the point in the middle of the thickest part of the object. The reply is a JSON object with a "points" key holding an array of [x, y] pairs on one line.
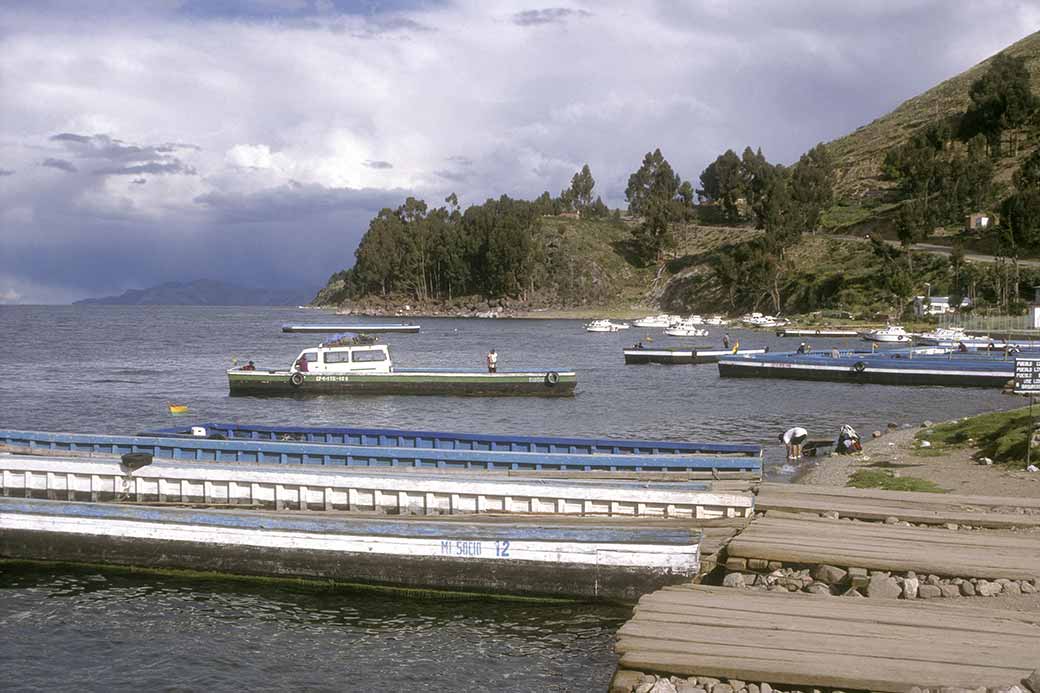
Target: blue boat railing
{"points": [[401, 438], [274, 452]]}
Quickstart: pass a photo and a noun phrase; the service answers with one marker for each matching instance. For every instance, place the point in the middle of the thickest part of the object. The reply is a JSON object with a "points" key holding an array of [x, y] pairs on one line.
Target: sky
{"points": [[144, 141]]}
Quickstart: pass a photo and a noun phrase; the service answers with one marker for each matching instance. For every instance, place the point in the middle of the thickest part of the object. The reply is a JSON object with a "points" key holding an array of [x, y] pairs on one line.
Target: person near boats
{"points": [[249, 367], [793, 438], [301, 364], [725, 341], [962, 347], [835, 353], [848, 441], [804, 348], [492, 361]]}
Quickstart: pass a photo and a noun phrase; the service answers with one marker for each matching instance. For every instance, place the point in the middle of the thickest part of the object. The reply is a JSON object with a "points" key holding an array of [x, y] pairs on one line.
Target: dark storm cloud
{"points": [[296, 201], [139, 181], [378, 164], [111, 149], [549, 15], [6, 172], [153, 167], [60, 164]]}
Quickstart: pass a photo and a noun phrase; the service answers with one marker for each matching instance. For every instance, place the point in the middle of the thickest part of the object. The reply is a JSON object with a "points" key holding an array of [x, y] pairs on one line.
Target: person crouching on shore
{"points": [[793, 439]]}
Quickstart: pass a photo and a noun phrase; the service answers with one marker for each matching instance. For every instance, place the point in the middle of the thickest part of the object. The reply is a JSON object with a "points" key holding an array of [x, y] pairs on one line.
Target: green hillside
{"points": [[859, 155]]}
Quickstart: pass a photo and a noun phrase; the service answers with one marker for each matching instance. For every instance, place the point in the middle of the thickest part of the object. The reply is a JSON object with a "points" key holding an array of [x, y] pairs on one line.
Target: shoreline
{"points": [[954, 470]]}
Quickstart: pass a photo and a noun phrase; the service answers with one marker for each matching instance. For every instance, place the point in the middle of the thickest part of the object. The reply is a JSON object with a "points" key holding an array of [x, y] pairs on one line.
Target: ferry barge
{"points": [[635, 355], [927, 367], [359, 368]]}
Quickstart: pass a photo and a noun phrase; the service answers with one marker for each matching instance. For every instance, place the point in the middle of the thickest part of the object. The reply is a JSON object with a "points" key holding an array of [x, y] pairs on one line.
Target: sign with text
{"points": [[1027, 376]]}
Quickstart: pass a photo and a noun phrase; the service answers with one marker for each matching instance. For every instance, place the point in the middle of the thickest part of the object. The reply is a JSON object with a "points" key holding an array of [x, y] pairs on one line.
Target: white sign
{"points": [[1027, 376]]}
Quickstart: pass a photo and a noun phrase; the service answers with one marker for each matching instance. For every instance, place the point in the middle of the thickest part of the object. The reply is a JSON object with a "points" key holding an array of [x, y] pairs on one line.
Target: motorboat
{"points": [[686, 328], [605, 326], [887, 334], [716, 320], [662, 320], [760, 320], [953, 337]]}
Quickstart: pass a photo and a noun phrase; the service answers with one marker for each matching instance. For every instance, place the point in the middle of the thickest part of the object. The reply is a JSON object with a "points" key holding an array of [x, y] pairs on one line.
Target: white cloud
{"points": [[482, 100]]}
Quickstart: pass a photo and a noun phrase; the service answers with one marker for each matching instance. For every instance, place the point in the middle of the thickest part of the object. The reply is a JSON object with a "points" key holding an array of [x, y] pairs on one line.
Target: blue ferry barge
{"points": [[897, 367]]}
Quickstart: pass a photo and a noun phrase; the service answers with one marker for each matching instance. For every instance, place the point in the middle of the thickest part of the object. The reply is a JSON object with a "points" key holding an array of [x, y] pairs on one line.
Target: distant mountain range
{"points": [[205, 292]]}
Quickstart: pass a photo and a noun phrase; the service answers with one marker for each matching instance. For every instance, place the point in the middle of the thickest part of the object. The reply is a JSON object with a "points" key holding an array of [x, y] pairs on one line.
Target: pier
{"points": [[855, 590], [361, 329], [810, 332]]}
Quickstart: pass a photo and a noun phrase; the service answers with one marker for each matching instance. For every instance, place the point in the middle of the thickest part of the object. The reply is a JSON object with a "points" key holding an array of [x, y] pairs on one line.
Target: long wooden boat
{"points": [[683, 355], [290, 453], [364, 368], [555, 557], [445, 440], [354, 489], [881, 368]]}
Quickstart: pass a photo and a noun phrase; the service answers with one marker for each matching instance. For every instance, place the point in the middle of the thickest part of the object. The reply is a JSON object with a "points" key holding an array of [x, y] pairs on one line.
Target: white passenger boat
{"points": [[662, 320], [887, 334], [716, 320], [760, 320], [686, 328], [605, 326], [953, 337]]}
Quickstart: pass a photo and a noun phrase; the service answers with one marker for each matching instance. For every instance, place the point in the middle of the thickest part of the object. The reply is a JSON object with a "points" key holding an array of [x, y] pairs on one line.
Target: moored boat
{"points": [[686, 328], [637, 354], [955, 337], [888, 334], [605, 326], [760, 320], [900, 367], [358, 368], [662, 320]]}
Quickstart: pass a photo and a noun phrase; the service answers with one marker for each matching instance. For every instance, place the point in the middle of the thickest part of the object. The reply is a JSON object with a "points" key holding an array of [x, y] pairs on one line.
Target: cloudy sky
{"points": [[144, 141]]}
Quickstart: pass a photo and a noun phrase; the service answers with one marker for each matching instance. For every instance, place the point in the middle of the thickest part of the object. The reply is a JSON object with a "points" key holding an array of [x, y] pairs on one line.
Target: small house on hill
{"points": [[980, 221], [936, 305]]}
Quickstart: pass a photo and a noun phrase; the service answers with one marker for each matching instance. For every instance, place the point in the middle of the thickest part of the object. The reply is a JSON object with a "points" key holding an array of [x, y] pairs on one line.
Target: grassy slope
{"points": [[858, 156], [1001, 436]]}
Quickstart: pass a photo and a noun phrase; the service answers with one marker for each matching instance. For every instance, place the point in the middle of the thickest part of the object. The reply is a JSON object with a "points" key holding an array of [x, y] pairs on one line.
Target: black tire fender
{"points": [[859, 367], [296, 379], [552, 378]]}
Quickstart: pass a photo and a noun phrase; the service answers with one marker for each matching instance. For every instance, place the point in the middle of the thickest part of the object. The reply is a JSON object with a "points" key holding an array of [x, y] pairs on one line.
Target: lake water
{"points": [[114, 369]]}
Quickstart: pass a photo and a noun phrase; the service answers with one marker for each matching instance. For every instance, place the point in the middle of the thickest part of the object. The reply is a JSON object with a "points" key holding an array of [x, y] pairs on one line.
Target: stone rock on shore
{"points": [[883, 587]]}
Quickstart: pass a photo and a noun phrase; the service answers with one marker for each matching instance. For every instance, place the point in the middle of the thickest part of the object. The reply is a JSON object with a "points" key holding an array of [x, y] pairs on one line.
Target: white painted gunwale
{"points": [[870, 368], [681, 559]]}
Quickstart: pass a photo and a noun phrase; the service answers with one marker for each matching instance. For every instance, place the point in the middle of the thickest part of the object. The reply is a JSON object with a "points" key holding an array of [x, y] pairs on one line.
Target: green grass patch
{"points": [[886, 481], [1000, 436]]}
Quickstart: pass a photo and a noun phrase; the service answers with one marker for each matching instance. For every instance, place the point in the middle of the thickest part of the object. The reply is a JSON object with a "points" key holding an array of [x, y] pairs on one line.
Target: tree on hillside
{"points": [[1020, 214], [1028, 174], [722, 183], [1001, 99], [812, 186], [911, 227], [580, 192], [656, 193]]}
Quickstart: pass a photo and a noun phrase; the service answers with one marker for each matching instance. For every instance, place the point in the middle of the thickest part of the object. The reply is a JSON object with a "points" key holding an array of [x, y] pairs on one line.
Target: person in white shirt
{"points": [[492, 361], [793, 439]]}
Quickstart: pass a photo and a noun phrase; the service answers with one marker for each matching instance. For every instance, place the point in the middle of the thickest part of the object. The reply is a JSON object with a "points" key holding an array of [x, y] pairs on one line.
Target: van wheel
{"points": [[296, 379]]}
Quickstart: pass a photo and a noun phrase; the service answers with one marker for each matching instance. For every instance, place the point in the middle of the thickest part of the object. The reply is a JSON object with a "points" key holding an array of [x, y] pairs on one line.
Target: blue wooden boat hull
{"points": [[271, 452], [442, 440], [878, 369]]}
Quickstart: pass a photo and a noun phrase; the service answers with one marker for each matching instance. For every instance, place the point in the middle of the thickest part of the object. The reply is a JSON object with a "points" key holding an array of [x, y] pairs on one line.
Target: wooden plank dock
{"points": [[827, 642], [809, 540], [909, 506]]}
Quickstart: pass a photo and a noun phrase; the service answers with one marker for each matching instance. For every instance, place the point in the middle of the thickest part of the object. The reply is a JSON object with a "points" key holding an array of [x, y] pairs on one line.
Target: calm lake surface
{"points": [[113, 369]]}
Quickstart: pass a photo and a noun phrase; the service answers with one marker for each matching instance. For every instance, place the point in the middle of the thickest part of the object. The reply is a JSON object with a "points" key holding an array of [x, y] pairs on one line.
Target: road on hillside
{"points": [[935, 249]]}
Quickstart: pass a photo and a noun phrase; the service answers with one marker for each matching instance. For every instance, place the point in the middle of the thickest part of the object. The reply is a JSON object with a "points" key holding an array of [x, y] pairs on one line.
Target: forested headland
{"points": [[749, 233]]}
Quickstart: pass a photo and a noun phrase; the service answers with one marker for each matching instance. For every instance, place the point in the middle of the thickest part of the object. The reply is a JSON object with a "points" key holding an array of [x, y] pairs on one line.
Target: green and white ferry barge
{"points": [[353, 368]]}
